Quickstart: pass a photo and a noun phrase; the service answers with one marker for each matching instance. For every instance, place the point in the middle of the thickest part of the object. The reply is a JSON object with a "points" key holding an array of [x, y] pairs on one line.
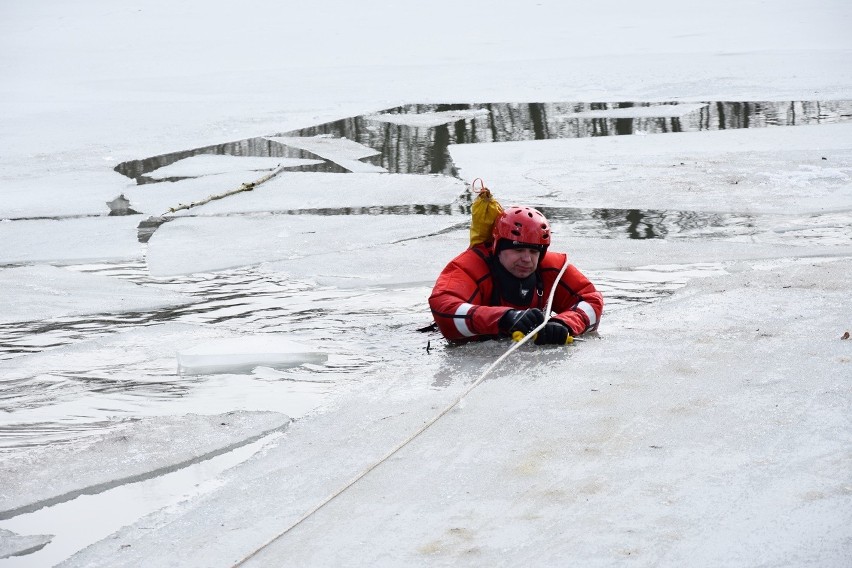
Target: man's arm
{"points": [[457, 301], [577, 304]]}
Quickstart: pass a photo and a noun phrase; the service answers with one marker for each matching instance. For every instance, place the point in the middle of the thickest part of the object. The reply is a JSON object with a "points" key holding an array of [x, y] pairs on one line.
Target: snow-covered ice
{"points": [[707, 425]]}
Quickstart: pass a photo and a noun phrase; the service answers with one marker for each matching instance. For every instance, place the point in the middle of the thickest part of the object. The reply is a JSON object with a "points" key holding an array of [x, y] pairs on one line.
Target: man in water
{"points": [[501, 287]]}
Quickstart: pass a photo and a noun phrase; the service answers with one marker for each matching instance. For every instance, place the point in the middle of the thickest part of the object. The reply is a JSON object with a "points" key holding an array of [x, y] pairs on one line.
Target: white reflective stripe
{"points": [[587, 309], [461, 323]]}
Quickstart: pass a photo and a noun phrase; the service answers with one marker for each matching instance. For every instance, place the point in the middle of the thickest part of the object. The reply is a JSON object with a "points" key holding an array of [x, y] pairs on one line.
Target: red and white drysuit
{"points": [[467, 305]]}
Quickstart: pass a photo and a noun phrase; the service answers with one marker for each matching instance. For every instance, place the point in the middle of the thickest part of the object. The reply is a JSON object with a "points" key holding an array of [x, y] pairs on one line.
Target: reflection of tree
{"points": [[537, 117], [651, 223], [637, 223], [624, 125], [438, 152], [636, 228], [409, 149]]}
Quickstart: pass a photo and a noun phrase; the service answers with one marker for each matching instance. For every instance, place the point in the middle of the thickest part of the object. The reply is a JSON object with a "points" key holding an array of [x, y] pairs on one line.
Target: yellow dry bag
{"points": [[483, 213]]}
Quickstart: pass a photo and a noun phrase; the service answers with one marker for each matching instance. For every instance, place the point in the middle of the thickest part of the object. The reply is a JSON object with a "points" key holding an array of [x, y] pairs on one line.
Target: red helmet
{"points": [[521, 226]]}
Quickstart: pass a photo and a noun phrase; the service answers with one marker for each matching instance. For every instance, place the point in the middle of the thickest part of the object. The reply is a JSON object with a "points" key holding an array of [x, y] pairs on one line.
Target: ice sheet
{"points": [[294, 191], [245, 353], [67, 240], [50, 193], [203, 244], [131, 451], [411, 262], [209, 164], [32, 293], [770, 170]]}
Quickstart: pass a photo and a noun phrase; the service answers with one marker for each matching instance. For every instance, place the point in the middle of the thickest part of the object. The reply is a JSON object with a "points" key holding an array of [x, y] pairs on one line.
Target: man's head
{"points": [[521, 237]]}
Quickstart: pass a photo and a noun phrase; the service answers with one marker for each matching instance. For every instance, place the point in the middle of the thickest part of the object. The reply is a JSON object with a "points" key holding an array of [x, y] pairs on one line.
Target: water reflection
{"points": [[601, 223], [420, 147]]}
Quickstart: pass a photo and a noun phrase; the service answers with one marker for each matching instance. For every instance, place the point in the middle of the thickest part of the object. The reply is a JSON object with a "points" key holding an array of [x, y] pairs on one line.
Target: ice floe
{"points": [[343, 152], [245, 353]]}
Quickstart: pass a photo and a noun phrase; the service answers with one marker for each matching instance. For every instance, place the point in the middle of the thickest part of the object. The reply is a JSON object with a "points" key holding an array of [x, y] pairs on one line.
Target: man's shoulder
{"points": [[480, 251], [473, 259], [552, 261]]}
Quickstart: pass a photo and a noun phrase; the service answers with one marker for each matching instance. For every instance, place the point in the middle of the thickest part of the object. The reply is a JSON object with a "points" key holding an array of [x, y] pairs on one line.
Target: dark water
{"points": [[424, 150]]}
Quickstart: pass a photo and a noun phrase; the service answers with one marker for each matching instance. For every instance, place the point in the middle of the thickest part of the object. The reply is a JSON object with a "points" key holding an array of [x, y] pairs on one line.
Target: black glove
{"points": [[521, 320], [554, 333]]}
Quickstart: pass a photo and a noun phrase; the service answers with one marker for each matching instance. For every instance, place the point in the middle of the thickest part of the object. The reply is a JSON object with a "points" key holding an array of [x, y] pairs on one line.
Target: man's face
{"points": [[520, 262]]}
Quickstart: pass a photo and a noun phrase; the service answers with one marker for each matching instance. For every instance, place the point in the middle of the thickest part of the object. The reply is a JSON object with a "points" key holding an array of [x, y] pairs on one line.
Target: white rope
{"points": [[515, 345]]}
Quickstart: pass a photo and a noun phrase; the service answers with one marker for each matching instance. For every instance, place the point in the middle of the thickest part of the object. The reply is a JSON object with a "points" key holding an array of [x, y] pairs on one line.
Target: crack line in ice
{"points": [[112, 484], [167, 489]]}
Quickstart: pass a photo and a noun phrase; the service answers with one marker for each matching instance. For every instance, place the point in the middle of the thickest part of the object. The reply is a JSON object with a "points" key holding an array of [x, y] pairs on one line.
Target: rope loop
{"points": [[484, 191]]}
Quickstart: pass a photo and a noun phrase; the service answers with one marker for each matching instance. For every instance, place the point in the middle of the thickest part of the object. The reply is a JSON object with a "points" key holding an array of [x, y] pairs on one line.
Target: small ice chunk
{"points": [[243, 354], [655, 111], [428, 119]]}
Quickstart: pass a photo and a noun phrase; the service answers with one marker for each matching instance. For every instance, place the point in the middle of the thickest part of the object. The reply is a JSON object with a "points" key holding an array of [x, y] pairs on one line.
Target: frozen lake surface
{"points": [[182, 384]]}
